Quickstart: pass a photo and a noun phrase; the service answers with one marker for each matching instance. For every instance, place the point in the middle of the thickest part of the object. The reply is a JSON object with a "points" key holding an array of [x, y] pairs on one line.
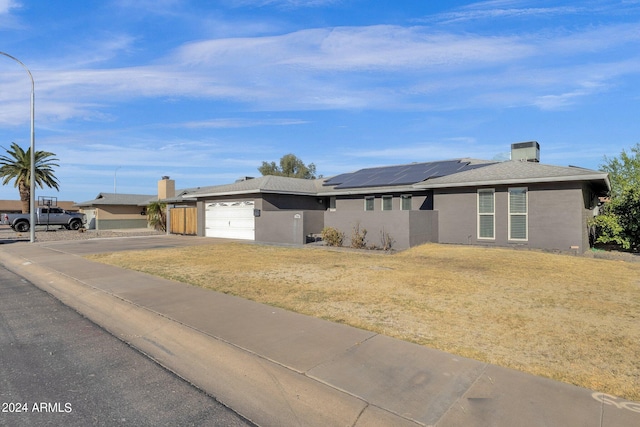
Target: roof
{"points": [[398, 178], [411, 177], [516, 172], [402, 174], [263, 184], [119, 199]]}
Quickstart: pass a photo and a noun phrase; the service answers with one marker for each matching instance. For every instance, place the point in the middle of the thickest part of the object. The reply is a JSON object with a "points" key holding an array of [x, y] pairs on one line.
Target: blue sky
{"points": [[204, 91]]}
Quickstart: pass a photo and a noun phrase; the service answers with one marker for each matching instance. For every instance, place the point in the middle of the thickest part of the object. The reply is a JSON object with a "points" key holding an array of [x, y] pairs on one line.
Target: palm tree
{"points": [[17, 165], [156, 216]]}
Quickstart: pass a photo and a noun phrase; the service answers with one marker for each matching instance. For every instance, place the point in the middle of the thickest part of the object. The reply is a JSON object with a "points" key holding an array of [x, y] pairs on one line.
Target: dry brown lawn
{"points": [[568, 318]]}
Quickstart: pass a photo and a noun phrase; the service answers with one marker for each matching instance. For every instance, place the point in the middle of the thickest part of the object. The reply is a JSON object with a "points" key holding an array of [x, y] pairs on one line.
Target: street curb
{"points": [[260, 390]]}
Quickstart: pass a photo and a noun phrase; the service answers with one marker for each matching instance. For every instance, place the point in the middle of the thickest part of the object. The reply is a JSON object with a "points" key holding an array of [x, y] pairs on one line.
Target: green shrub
{"points": [[619, 223]]}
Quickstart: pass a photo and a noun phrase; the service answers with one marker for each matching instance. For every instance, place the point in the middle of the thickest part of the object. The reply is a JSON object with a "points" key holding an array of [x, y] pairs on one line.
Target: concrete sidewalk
{"points": [[279, 368]]}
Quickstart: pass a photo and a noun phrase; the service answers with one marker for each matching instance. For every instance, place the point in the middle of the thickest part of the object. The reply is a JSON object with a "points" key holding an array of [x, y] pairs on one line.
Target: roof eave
{"points": [[245, 192], [478, 183], [173, 200]]}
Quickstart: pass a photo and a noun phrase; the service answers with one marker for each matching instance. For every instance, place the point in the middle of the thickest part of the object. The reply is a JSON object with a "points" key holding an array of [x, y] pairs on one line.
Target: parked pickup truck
{"points": [[45, 216]]}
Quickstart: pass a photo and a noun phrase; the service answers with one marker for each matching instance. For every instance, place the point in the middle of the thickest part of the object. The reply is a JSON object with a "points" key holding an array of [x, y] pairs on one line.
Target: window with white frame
{"points": [[332, 203], [387, 203], [486, 214], [518, 214], [405, 202], [368, 203]]}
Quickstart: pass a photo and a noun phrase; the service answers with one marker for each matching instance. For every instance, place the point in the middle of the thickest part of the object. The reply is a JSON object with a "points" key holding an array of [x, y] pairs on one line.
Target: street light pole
{"points": [[32, 171]]}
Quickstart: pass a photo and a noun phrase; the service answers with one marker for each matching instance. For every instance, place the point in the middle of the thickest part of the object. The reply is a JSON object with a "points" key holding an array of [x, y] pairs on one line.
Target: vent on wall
{"points": [[526, 151]]}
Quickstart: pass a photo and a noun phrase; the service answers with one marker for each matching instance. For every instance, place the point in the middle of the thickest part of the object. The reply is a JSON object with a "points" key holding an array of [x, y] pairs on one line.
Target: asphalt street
{"points": [[58, 368]]}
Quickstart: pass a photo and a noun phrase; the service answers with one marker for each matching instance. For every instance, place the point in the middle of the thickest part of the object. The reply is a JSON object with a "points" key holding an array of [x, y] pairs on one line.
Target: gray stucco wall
{"points": [[288, 226], [406, 228], [423, 226], [200, 213], [556, 217], [419, 201]]}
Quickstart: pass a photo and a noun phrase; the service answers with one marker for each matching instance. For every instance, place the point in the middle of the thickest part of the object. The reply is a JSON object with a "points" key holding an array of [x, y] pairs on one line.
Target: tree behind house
{"points": [[290, 166], [624, 171], [619, 222]]}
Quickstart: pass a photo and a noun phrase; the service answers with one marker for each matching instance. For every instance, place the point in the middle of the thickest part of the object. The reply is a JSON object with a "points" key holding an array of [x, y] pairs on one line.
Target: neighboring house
{"points": [[110, 211], [516, 203], [15, 206]]}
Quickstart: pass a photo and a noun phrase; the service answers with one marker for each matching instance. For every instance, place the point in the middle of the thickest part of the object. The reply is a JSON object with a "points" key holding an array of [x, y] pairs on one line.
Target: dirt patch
{"points": [[570, 318]]}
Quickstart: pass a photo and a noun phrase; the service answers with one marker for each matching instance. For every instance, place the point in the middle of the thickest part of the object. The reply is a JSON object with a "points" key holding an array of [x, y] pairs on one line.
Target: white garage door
{"points": [[231, 220]]}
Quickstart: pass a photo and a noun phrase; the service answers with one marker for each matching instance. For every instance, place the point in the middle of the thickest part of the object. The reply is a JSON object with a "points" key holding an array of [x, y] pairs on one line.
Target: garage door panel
{"points": [[232, 220]]}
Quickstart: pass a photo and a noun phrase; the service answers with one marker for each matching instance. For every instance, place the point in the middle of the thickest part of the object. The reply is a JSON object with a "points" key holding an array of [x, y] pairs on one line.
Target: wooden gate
{"points": [[184, 220]]}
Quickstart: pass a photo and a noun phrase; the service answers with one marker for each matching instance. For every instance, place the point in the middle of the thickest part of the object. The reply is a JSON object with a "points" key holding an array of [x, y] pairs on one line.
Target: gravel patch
{"points": [[61, 234]]}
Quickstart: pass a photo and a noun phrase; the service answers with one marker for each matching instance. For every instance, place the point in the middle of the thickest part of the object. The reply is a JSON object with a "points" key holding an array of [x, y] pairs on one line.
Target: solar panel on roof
{"points": [[399, 175]]}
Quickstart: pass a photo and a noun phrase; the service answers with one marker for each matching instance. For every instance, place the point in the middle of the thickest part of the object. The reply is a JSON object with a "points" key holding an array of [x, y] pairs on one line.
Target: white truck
{"points": [[45, 216]]}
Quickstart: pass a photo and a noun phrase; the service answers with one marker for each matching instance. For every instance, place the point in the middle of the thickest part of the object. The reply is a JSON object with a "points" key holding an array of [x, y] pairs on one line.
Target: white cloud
{"points": [[449, 148], [285, 4], [240, 123], [565, 99], [507, 9], [181, 88], [592, 40], [382, 48], [475, 13], [96, 51], [149, 6], [372, 67], [7, 5]]}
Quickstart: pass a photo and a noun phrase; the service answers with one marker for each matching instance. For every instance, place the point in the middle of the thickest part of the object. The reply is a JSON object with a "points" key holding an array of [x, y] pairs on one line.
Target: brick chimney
{"points": [[166, 188]]}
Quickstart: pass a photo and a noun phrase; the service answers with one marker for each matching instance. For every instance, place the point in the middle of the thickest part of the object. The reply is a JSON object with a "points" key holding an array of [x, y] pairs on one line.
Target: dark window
{"points": [[387, 203], [368, 203]]}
